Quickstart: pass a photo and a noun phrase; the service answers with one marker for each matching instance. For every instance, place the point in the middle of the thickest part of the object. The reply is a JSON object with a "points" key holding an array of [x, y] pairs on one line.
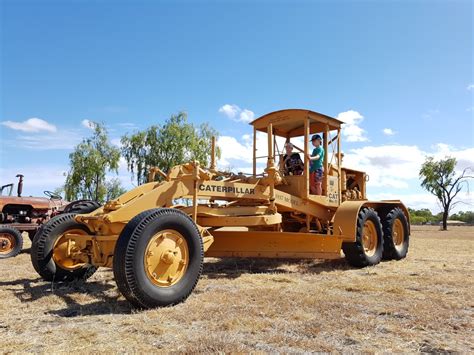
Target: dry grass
{"points": [[423, 303]]}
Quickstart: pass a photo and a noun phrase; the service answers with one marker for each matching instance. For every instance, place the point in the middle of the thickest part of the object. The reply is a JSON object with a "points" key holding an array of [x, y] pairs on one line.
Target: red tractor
{"points": [[20, 214]]}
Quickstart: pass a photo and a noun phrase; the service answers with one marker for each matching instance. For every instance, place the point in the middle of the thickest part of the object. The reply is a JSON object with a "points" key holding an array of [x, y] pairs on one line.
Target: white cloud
{"points": [[388, 166], [394, 166], [419, 200], [388, 131], [470, 87], [232, 149], [246, 116], [88, 124], [247, 137], [235, 113], [49, 177], [351, 129], [31, 125], [464, 157], [37, 178], [239, 152], [66, 139], [350, 117], [230, 111]]}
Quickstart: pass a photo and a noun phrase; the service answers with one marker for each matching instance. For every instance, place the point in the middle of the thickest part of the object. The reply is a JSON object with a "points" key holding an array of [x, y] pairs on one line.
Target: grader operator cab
{"points": [[156, 245]]}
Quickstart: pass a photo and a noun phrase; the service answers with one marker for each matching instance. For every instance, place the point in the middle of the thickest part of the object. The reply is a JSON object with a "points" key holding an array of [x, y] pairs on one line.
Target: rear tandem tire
{"points": [[396, 235], [11, 242], [158, 258], [368, 248], [43, 245]]}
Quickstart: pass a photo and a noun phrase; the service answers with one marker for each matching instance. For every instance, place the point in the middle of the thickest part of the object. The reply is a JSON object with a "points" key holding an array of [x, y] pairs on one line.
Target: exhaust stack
{"points": [[20, 185]]}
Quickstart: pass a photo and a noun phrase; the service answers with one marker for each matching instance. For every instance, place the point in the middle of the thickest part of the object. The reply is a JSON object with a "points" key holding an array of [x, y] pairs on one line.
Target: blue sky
{"points": [[402, 66]]}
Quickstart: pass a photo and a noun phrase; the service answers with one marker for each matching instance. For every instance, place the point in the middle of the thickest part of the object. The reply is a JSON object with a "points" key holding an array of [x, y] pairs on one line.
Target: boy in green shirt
{"points": [[316, 170]]}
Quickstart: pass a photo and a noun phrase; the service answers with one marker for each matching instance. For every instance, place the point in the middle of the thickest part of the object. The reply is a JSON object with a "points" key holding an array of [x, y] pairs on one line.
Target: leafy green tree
{"points": [[439, 178], [175, 142], [422, 216], [114, 189], [467, 216], [89, 163], [418, 220]]}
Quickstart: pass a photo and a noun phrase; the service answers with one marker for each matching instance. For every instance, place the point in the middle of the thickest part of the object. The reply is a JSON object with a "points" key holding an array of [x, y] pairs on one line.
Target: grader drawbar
{"points": [[156, 245]]}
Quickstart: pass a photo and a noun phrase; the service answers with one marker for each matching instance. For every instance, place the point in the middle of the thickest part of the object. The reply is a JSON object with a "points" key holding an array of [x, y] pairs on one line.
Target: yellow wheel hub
{"points": [[369, 238], [62, 251], [166, 258], [7, 243], [398, 234]]}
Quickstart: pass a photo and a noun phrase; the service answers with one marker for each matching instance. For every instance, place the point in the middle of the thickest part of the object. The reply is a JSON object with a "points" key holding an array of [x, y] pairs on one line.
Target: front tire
{"points": [[46, 255], [396, 235], [11, 242], [368, 248], [158, 258]]}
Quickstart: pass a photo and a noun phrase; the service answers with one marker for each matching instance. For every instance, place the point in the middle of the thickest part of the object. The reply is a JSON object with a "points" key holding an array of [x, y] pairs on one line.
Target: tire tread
{"points": [[389, 251], [354, 252], [18, 238], [124, 256], [40, 257]]}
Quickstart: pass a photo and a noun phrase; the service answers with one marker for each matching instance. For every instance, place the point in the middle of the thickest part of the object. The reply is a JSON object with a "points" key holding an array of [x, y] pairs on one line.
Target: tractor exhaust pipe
{"points": [[20, 185]]}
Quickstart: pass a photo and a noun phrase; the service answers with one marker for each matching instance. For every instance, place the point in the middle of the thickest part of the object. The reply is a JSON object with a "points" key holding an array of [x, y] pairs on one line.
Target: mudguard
{"points": [[345, 218]]}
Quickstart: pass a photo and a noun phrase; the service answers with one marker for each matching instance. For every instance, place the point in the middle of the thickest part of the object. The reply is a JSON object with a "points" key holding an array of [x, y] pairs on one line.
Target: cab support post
{"points": [[254, 152]]}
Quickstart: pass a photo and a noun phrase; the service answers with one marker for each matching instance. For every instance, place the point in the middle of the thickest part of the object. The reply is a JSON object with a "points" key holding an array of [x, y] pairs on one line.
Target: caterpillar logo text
{"points": [[227, 189]]}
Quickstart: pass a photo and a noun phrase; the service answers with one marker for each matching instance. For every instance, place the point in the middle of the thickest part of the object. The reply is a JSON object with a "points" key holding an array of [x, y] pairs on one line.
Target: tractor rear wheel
{"points": [[49, 250], [31, 234], [158, 258], [396, 235], [81, 206], [368, 247], [11, 242]]}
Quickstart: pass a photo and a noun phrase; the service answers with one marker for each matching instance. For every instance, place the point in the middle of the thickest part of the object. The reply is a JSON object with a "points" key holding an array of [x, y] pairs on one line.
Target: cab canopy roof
{"points": [[290, 123]]}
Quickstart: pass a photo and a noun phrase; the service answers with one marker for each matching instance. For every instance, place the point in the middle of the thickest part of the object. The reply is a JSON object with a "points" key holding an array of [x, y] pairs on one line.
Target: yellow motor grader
{"points": [[156, 245]]}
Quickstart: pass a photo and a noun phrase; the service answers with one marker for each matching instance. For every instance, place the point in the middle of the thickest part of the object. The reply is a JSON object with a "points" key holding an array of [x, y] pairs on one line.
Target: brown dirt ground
{"points": [[423, 303]]}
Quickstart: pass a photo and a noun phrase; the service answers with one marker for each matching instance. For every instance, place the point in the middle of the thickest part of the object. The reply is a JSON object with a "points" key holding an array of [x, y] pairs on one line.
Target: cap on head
{"points": [[315, 136]]}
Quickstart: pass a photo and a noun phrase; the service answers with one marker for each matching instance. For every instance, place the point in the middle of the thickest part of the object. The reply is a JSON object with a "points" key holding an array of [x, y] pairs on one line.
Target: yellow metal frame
{"points": [[260, 205]]}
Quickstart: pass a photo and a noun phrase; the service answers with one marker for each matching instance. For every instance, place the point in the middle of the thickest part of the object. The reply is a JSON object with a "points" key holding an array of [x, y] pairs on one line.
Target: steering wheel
{"points": [[51, 195]]}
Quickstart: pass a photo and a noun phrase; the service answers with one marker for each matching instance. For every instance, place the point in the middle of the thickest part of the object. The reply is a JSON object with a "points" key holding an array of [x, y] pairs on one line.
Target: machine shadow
{"points": [[107, 302], [26, 251], [232, 268]]}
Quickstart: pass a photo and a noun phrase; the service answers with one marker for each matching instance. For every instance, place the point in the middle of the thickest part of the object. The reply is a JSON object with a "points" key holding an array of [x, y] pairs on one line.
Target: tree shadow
{"points": [[232, 268], [31, 290]]}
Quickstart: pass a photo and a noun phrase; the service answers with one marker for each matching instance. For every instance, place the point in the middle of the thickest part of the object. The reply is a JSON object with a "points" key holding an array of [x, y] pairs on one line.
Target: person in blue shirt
{"points": [[316, 170]]}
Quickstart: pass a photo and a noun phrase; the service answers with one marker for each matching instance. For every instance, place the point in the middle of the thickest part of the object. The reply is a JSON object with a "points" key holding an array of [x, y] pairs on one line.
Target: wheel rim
{"points": [[7, 243], [166, 258], [398, 234], [61, 249], [369, 238]]}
